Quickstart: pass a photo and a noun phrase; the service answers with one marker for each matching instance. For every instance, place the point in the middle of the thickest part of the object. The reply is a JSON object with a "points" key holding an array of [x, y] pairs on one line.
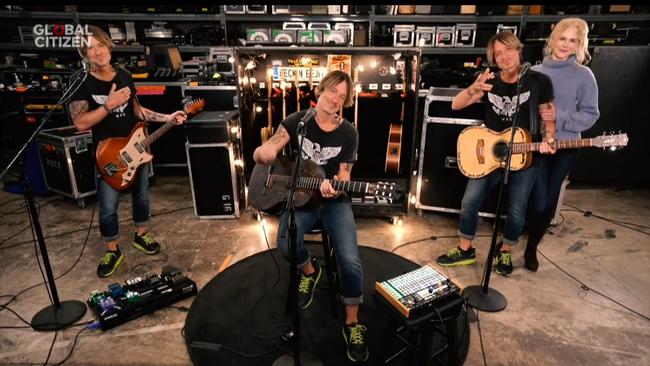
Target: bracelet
{"points": [[108, 110]]}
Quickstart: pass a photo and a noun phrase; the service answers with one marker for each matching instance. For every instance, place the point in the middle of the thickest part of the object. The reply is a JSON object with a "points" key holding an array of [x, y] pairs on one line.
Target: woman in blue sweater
{"points": [[575, 110]]}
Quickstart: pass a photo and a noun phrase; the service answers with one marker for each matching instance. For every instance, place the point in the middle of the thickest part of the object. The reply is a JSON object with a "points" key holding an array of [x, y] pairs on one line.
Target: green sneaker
{"points": [[146, 243], [307, 286], [110, 262], [458, 257], [504, 264], [354, 339]]}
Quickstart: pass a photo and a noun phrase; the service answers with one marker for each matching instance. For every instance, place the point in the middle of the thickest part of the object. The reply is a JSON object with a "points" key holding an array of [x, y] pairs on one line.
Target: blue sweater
{"points": [[576, 96]]}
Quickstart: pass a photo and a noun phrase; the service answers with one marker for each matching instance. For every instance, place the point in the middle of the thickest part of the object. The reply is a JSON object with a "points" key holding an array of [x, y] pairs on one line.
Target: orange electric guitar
{"points": [[118, 158]]}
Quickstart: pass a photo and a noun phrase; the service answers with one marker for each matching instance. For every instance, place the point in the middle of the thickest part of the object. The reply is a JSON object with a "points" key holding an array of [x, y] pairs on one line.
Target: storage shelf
{"points": [[453, 50], [21, 47]]}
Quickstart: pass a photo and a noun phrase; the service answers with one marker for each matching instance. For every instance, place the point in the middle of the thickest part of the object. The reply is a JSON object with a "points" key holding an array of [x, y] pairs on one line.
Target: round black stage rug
{"points": [[221, 329]]}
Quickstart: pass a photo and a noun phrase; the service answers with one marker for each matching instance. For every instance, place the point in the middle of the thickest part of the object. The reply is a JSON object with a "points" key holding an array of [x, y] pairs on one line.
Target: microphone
{"points": [[311, 112], [524, 69], [85, 65]]}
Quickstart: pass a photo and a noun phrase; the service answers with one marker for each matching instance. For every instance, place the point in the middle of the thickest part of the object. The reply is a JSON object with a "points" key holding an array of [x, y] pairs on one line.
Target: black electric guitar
{"points": [[269, 185]]}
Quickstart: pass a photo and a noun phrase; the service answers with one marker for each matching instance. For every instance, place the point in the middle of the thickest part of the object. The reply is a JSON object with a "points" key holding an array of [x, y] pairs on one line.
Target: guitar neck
{"points": [[564, 144], [156, 134], [339, 185]]}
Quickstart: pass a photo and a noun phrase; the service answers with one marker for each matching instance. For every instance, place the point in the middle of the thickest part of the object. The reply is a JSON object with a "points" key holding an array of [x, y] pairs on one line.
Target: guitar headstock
{"points": [[193, 105], [384, 189], [611, 141]]}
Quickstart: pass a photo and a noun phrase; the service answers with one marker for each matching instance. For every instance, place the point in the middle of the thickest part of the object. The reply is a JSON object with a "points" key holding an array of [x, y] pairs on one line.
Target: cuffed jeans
{"points": [[337, 220], [519, 188], [109, 200]]}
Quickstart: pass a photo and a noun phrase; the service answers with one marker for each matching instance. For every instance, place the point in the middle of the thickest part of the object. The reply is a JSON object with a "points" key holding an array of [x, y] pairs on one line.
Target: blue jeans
{"points": [[338, 221], [519, 187], [109, 200]]}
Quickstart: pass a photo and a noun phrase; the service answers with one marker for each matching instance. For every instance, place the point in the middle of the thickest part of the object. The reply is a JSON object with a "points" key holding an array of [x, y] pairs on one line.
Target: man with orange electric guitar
{"points": [[106, 103], [499, 93]]}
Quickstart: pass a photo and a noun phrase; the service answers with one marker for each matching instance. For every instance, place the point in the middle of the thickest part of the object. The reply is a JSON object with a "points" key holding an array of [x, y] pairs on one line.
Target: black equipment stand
{"points": [[298, 358], [60, 314], [483, 297]]}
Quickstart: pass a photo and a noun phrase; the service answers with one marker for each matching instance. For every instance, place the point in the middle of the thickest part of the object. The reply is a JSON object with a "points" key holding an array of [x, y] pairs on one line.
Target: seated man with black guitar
{"points": [[106, 103], [499, 93], [330, 142]]}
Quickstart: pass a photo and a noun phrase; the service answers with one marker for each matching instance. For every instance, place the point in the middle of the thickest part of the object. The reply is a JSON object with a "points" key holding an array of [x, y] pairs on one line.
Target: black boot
{"points": [[535, 235], [530, 256]]}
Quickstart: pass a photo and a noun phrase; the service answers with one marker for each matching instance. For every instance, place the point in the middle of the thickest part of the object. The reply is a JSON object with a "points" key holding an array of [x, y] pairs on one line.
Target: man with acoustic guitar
{"points": [[330, 142], [499, 93], [106, 103]]}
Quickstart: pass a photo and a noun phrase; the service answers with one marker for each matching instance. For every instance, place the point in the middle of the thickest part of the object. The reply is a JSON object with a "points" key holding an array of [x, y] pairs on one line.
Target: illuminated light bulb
{"points": [[374, 63], [400, 222], [361, 68], [239, 162], [231, 60], [305, 61], [398, 55], [253, 80], [358, 89], [413, 200], [250, 65], [258, 109], [393, 71], [245, 80]]}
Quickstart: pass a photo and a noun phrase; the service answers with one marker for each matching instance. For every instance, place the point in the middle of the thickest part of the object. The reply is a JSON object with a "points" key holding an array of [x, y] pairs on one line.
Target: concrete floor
{"points": [[550, 318]]}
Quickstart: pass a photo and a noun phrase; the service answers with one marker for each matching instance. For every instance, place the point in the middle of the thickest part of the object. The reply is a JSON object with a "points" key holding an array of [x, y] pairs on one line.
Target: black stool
{"points": [[330, 266]]}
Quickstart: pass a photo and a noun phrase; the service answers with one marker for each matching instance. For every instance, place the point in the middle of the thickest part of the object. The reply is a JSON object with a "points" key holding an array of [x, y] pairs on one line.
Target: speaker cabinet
{"points": [[216, 180], [440, 184]]}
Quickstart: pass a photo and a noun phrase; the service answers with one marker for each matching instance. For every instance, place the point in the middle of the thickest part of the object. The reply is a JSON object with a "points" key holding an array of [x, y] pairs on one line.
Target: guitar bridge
{"points": [[110, 169]]}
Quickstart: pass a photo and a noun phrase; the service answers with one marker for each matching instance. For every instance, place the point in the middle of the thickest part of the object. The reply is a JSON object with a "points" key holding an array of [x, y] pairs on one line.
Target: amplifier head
{"points": [[283, 36], [258, 35], [335, 37]]}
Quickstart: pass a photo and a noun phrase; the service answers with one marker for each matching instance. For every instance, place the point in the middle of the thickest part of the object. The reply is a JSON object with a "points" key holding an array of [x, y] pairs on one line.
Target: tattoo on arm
{"points": [[77, 108], [279, 135], [150, 115], [347, 167]]}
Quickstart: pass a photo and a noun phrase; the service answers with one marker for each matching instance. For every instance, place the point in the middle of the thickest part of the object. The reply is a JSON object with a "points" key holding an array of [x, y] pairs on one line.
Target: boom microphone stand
{"points": [[60, 314], [298, 358], [483, 297]]}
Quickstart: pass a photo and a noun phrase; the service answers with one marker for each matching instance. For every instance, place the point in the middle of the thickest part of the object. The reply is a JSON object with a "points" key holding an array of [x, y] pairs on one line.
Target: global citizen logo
{"points": [[61, 35]]}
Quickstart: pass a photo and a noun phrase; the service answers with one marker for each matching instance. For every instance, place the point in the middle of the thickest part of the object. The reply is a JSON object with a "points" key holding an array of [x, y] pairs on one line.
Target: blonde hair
{"points": [[582, 52], [334, 78], [101, 36], [507, 38]]}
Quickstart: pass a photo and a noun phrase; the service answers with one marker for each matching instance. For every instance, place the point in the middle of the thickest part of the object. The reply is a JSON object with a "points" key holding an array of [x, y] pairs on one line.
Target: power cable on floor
{"points": [[480, 336], [587, 288], [624, 224], [432, 237]]}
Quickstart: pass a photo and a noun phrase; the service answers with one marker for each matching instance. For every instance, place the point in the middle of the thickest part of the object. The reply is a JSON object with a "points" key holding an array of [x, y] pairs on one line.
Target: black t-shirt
{"points": [[121, 120], [327, 149], [536, 88]]}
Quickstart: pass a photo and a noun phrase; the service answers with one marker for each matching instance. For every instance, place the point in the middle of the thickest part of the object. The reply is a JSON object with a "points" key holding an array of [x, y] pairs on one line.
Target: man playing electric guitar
{"points": [[106, 103], [499, 93]]}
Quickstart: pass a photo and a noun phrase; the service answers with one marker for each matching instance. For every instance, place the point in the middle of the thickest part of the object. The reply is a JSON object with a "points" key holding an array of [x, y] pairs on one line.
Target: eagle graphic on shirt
{"points": [[119, 111], [504, 106], [314, 152]]}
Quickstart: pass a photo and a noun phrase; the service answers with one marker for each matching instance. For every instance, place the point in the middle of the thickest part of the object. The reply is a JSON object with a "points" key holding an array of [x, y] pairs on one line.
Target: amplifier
{"points": [[510, 28], [68, 161], [423, 9], [140, 296], [425, 36], [348, 27], [417, 291], [280, 9], [319, 9], [283, 36], [256, 9], [465, 35], [258, 35], [335, 37], [294, 25], [213, 127], [310, 37], [319, 26], [404, 35], [234, 9], [445, 36]]}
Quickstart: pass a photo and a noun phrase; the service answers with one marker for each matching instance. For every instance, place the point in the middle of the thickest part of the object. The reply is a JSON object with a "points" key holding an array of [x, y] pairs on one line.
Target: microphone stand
{"points": [[60, 314], [483, 297], [298, 358]]}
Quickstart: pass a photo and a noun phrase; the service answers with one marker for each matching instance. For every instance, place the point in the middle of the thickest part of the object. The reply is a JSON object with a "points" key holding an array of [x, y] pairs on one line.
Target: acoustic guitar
{"points": [[270, 184], [480, 150], [394, 146], [118, 158]]}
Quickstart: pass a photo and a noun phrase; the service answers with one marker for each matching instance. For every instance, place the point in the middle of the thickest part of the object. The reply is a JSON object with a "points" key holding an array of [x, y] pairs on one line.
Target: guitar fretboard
{"points": [[565, 144], [314, 184], [156, 134]]}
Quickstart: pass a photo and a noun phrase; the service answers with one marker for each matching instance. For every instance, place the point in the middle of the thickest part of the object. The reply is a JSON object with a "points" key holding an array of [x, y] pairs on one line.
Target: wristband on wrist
{"points": [[108, 110]]}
